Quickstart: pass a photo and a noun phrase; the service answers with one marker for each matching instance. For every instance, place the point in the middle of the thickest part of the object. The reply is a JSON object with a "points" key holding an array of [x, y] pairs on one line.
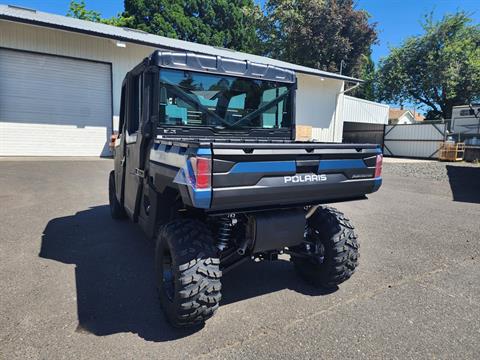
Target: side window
{"points": [[123, 105], [135, 104], [273, 117]]}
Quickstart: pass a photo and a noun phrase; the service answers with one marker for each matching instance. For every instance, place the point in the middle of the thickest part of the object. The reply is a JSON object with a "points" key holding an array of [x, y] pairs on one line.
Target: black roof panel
{"points": [[221, 65]]}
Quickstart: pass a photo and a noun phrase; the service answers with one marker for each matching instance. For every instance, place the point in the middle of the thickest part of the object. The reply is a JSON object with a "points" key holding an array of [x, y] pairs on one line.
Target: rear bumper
{"points": [[278, 195]]}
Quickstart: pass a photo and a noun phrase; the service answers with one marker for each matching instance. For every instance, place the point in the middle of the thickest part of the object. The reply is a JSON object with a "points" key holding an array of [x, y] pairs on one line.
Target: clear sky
{"points": [[397, 19]]}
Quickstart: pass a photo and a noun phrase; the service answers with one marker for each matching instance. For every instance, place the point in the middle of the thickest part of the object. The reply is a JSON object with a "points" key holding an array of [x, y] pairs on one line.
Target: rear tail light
{"points": [[378, 165], [202, 171]]}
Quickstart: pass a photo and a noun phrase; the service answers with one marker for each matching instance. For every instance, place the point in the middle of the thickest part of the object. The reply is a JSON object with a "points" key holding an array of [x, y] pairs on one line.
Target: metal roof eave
{"points": [[160, 43]]}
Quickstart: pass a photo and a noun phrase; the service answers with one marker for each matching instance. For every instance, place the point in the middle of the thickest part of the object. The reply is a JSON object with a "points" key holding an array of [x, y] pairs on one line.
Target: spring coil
{"points": [[224, 233]]}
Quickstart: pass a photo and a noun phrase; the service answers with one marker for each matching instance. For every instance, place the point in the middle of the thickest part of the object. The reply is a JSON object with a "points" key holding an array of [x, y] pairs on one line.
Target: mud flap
{"points": [[274, 230]]}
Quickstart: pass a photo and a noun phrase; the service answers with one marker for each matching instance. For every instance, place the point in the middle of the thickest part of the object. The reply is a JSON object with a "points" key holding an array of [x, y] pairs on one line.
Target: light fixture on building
{"points": [[121, 44]]}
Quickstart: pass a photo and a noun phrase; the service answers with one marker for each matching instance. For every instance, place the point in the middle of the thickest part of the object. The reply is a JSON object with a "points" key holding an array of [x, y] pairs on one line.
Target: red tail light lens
{"points": [[203, 172], [378, 166]]}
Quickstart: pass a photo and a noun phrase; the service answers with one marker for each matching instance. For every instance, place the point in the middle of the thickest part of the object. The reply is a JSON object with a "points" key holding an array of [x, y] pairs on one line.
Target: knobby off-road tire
{"points": [[335, 240], [188, 273], [116, 209]]}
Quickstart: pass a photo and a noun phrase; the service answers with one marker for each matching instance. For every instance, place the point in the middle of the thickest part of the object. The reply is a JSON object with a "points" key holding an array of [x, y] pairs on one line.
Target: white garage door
{"points": [[53, 106]]}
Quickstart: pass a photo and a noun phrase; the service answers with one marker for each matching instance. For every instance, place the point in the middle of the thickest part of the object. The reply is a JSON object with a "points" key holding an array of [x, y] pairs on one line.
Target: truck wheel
{"points": [[116, 209], [330, 249], [188, 272]]}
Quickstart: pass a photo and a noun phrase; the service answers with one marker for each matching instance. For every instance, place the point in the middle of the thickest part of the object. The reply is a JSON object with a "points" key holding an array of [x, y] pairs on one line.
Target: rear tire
{"points": [[188, 272], [116, 209], [333, 254]]}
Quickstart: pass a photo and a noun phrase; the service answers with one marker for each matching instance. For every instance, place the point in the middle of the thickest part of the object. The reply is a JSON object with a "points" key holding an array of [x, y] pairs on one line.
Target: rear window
{"points": [[219, 101]]}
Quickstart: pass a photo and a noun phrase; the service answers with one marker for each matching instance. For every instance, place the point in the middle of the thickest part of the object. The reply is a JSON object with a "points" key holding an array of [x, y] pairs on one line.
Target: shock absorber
{"points": [[224, 233]]}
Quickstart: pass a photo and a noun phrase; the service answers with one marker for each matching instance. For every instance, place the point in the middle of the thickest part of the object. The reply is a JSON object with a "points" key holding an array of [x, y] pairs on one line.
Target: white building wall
{"points": [[364, 111], [58, 42], [317, 102], [406, 119]]}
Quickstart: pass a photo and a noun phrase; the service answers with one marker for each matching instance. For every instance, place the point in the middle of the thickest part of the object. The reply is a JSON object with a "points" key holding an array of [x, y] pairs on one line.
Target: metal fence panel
{"points": [[414, 140]]}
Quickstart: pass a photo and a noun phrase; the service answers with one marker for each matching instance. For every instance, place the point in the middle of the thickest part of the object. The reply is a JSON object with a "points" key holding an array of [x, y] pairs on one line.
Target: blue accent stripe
{"points": [[377, 183], [264, 167], [341, 164], [204, 151], [202, 198]]}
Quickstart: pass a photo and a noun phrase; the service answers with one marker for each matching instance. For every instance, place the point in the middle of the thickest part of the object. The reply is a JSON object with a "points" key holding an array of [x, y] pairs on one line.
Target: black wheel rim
{"points": [[168, 280]]}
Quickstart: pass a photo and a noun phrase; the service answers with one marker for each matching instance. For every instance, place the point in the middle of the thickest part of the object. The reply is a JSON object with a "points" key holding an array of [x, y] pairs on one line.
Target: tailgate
{"points": [[265, 175]]}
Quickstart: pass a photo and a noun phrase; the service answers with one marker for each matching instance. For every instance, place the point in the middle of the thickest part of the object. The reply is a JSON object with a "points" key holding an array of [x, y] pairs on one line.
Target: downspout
{"points": [[349, 89], [336, 102]]}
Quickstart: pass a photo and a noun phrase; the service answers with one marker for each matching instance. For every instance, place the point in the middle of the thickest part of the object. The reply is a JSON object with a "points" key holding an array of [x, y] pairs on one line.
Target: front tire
{"points": [[116, 209], [330, 252], [188, 272]]}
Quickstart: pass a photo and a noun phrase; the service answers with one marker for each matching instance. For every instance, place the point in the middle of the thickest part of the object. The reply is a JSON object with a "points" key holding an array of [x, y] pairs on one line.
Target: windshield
{"points": [[223, 102]]}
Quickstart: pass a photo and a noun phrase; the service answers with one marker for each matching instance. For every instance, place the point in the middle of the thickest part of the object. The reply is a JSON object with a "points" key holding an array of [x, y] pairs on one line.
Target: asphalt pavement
{"points": [[76, 284]]}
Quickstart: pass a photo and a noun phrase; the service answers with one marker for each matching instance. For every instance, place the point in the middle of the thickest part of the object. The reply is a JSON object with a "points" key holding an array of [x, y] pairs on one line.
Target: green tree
{"points": [[439, 69], [318, 33], [78, 9], [315, 33], [230, 24], [367, 73]]}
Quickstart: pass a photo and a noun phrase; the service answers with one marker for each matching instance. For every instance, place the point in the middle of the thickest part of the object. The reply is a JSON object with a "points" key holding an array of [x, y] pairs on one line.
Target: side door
{"points": [[119, 158], [133, 177]]}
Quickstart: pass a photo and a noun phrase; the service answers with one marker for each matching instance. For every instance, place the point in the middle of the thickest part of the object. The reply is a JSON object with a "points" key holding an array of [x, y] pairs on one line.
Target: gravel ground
{"points": [[76, 284], [433, 170]]}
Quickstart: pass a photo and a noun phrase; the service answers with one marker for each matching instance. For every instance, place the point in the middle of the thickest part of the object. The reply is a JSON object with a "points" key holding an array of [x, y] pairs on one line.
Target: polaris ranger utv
{"points": [[207, 164]]}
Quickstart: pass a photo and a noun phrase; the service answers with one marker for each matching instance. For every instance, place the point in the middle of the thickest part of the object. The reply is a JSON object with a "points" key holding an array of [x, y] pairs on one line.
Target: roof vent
{"points": [[22, 8], [134, 30]]}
